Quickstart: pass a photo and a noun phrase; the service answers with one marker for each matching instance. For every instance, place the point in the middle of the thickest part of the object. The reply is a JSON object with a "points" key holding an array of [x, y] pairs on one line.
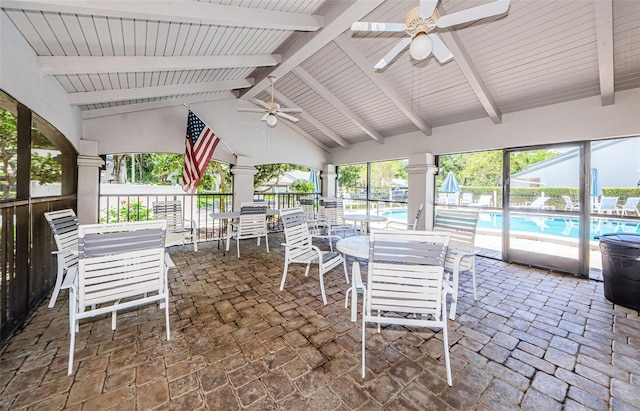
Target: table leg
{"points": [[355, 271]]}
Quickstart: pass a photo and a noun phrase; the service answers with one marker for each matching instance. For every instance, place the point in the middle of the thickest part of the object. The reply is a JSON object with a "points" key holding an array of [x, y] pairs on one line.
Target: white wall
{"points": [[163, 130], [20, 78], [584, 119]]}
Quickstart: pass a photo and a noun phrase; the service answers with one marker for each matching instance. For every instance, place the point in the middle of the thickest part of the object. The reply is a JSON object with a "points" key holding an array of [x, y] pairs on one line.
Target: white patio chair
{"points": [[569, 206], [299, 248], [120, 266], [64, 226], [404, 287], [317, 228], [252, 223], [485, 200], [171, 211], [397, 225], [609, 205], [461, 255], [630, 206], [331, 210], [467, 199], [539, 203]]}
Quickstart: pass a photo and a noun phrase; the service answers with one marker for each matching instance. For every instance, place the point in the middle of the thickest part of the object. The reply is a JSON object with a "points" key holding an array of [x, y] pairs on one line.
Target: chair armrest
{"points": [[70, 278], [191, 223], [399, 225]]}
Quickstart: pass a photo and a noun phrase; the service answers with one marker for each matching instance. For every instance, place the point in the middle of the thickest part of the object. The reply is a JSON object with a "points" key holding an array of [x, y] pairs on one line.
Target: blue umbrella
{"points": [[313, 177], [450, 184], [596, 188]]}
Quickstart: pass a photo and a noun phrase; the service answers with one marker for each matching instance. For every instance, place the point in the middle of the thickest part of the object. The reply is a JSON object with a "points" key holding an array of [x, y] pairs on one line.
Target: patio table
{"points": [[230, 215], [364, 220]]}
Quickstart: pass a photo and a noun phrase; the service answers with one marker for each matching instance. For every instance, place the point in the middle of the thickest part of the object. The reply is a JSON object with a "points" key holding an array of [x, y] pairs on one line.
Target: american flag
{"points": [[200, 144]]}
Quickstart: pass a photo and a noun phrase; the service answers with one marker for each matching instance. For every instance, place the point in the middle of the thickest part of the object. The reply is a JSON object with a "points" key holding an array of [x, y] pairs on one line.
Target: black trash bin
{"points": [[621, 268]]}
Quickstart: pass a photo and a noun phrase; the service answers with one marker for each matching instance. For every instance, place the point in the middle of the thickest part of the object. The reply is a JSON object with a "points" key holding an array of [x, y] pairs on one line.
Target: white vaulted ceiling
{"points": [[123, 56]]}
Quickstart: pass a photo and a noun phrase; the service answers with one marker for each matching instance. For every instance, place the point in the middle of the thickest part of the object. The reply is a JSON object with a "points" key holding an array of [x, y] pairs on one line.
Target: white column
{"points": [[88, 182], [421, 171], [329, 176], [243, 172]]}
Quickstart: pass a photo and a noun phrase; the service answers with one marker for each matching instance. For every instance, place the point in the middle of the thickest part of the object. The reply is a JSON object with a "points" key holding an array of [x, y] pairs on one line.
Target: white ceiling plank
{"points": [[334, 101], [90, 35], [313, 121], [177, 11], [49, 65], [107, 96], [304, 134], [337, 19], [604, 33], [463, 60], [130, 108], [378, 79], [22, 21]]}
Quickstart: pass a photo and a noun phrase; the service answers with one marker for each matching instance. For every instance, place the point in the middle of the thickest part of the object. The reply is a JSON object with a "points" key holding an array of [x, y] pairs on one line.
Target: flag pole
{"points": [[221, 140]]}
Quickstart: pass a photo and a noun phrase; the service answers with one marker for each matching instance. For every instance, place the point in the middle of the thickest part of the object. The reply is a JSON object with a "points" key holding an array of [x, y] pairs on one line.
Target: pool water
{"points": [[558, 226]]}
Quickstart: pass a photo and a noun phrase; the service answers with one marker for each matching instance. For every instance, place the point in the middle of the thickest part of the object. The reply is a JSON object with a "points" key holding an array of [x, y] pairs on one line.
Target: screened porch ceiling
{"points": [[122, 56]]}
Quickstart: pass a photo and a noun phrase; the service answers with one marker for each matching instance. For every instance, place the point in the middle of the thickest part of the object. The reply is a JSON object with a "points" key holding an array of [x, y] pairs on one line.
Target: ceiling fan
{"points": [[420, 22], [272, 109]]}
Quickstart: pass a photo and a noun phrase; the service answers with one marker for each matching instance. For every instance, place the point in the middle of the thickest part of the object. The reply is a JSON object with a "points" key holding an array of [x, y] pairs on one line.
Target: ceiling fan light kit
{"points": [[272, 120], [421, 46], [420, 24]]}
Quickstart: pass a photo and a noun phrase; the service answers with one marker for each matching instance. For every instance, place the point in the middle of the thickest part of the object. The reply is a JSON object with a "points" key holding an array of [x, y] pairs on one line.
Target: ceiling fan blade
{"points": [[393, 53], [474, 13], [251, 110], [288, 117], [440, 50], [260, 103], [364, 26], [427, 7], [290, 110]]}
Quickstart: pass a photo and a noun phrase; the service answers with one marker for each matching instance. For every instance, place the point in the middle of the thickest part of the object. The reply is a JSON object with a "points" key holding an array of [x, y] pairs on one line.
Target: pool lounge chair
{"points": [[467, 199], [631, 206], [569, 206], [485, 201], [538, 203], [609, 205]]}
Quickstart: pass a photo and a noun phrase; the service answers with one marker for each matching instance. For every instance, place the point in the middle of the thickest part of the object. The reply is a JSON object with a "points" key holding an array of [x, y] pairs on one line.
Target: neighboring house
{"points": [[617, 161], [283, 183]]}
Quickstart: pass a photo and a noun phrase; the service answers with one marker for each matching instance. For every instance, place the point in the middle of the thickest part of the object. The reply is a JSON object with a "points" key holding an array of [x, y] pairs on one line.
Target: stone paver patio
{"points": [[534, 340]]}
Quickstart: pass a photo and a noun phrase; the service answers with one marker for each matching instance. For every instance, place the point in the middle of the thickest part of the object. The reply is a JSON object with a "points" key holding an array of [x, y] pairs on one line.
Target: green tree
{"points": [[481, 169], [302, 186], [8, 150], [350, 176], [44, 169], [159, 167]]}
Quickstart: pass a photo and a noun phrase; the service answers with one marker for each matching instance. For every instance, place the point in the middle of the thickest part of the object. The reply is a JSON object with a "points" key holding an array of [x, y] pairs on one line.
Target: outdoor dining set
{"points": [[112, 267]]}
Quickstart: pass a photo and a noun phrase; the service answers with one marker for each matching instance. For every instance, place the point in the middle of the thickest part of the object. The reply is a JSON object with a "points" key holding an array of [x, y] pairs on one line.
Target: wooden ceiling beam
{"points": [[346, 44], [313, 121], [338, 18], [130, 108], [315, 85], [123, 94], [176, 11], [65, 65], [604, 36], [463, 60]]}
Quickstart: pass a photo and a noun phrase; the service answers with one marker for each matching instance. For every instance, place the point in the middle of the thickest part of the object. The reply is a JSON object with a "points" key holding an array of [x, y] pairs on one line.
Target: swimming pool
{"points": [[556, 226]]}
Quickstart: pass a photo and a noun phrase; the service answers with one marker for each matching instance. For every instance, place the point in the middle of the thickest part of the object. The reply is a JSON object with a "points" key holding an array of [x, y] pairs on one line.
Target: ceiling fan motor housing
{"points": [[415, 24]]}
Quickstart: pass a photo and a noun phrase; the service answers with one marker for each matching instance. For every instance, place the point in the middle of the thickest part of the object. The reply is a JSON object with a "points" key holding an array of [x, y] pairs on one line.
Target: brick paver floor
{"points": [[534, 340]]}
